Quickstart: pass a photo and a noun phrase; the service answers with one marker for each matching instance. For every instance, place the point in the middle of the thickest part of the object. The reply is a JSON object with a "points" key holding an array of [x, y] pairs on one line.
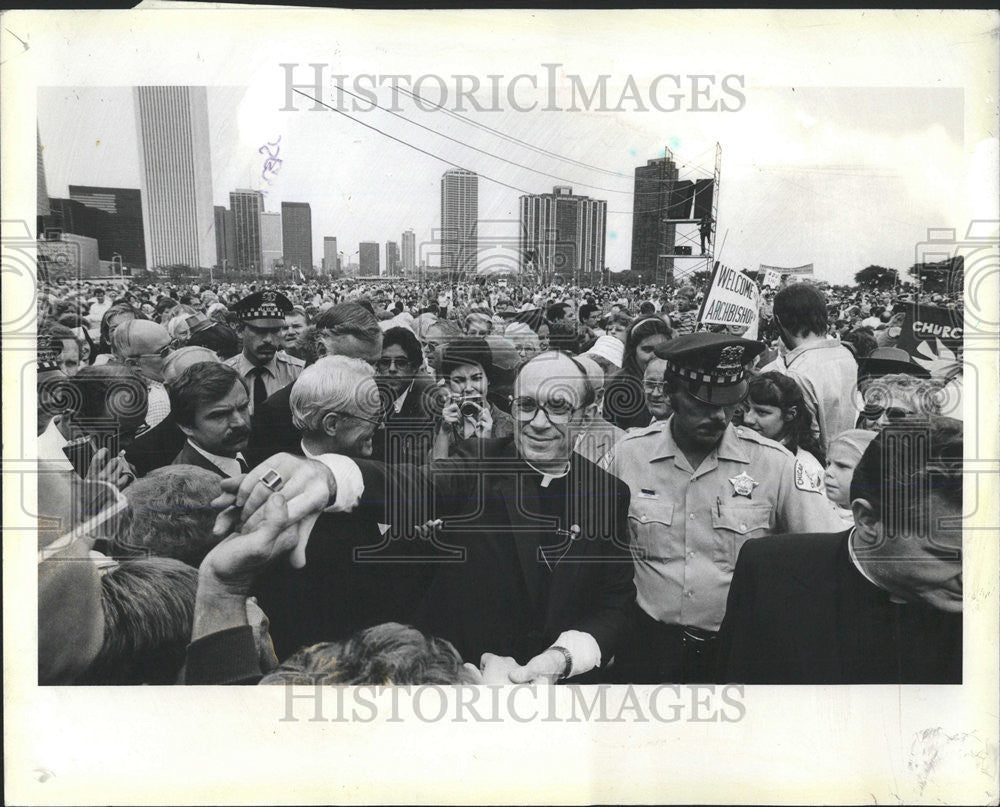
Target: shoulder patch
{"points": [[806, 480]]}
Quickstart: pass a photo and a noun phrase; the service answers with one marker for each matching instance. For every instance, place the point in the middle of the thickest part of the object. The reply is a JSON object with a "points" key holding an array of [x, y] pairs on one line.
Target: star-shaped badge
{"points": [[743, 485]]}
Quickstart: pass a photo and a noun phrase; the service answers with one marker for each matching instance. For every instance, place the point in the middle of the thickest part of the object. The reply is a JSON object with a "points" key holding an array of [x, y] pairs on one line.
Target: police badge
{"points": [[743, 485]]}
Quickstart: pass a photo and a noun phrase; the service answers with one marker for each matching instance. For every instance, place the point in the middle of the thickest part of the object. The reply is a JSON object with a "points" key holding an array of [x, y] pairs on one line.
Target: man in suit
{"points": [[878, 604], [158, 446], [409, 400], [346, 329], [210, 402], [531, 561], [335, 405]]}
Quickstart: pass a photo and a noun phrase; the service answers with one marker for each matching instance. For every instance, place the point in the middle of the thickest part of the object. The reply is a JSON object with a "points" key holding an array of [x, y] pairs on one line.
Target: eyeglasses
{"points": [[387, 363], [162, 353], [651, 387], [558, 411], [892, 412], [359, 417]]}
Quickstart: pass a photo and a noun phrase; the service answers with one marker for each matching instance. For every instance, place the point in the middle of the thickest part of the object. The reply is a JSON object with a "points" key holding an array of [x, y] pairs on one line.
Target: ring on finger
{"points": [[271, 479]]}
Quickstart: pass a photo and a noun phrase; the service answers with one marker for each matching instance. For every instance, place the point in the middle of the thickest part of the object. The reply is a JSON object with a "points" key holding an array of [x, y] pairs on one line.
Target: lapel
{"points": [[191, 457]]}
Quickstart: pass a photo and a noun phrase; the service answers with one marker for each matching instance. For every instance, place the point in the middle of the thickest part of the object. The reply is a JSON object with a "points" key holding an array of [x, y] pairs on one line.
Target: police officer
{"points": [[701, 488], [262, 363]]}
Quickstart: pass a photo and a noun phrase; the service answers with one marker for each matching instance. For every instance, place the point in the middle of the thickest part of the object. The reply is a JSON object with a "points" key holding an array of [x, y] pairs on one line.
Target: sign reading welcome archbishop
{"points": [[732, 298]]}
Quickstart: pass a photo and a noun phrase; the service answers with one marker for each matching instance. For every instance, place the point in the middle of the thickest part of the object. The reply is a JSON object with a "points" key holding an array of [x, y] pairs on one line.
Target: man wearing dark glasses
{"points": [[701, 488], [144, 346]]}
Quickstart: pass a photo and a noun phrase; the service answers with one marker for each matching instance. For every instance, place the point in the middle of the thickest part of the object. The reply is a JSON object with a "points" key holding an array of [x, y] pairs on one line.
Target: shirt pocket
{"points": [[649, 522], [734, 525]]}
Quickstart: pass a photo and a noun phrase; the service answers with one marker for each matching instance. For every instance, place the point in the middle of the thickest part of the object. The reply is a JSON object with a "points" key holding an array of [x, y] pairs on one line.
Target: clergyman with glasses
{"points": [[530, 566]]}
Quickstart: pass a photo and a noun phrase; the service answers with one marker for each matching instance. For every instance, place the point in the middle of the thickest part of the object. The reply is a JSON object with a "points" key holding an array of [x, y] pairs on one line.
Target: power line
{"points": [[410, 145], [511, 138], [481, 151]]}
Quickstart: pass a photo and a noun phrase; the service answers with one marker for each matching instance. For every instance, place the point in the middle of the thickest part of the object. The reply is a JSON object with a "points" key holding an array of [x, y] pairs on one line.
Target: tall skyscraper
{"points": [[409, 242], [331, 259], [459, 215], [42, 203], [176, 169], [297, 235], [368, 257], [271, 250], [225, 238], [392, 258], [562, 233], [651, 235], [121, 232], [247, 205]]}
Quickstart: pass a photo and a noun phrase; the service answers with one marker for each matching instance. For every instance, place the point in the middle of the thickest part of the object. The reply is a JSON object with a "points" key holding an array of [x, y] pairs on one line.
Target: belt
{"points": [[697, 635]]}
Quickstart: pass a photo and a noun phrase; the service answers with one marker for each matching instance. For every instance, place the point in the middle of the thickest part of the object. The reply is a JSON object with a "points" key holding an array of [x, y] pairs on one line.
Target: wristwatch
{"points": [[568, 666]]}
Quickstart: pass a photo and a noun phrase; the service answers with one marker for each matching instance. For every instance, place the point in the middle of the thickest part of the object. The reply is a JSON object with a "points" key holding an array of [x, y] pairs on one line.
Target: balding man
{"points": [[143, 346], [531, 561]]}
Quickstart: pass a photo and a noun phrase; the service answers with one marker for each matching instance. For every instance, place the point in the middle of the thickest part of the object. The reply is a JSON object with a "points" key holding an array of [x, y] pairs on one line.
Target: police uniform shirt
{"points": [[278, 373], [687, 526]]}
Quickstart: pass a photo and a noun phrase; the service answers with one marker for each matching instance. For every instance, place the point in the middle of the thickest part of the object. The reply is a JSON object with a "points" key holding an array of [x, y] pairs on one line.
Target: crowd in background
{"points": [[163, 410]]}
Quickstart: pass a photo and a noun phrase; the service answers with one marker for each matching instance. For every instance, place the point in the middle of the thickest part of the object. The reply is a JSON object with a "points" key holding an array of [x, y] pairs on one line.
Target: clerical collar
{"points": [[547, 477]]}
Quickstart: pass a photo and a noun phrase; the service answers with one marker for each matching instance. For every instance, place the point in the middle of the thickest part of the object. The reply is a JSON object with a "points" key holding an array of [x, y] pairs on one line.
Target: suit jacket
{"points": [[800, 612], [271, 430], [483, 584], [156, 447], [408, 435], [188, 456]]}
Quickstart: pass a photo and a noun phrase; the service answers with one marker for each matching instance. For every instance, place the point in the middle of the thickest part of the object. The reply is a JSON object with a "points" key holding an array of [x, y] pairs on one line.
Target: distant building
{"points": [[459, 217], [296, 235], [562, 233], [651, 235], [67, 255], [225, 238], [392, 265], [369, 259], [121, 231], [331, 258], [42, 199], [247, 206], [409, 244], [270, 242], [176, 170]]}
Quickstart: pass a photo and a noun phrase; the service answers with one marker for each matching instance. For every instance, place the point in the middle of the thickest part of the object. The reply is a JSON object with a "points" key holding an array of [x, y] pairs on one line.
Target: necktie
{"points": [[243, 464], [259, 390]]}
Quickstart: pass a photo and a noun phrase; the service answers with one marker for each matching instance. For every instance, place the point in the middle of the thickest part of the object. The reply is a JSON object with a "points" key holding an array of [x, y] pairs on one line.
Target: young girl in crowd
{"points": [[775, 408], [842, 458]]}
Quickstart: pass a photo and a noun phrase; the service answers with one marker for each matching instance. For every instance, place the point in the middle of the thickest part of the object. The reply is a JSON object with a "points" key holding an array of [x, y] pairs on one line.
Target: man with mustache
{"points": [[211, 405], [265, 366], [701, 488]]}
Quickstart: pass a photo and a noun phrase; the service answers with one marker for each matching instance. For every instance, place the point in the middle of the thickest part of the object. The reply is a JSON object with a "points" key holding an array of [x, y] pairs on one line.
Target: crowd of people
{"points": [[378, 481]]}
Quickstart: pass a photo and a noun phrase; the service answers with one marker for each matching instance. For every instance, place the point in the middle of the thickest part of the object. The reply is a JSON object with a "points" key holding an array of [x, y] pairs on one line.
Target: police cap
{"points": [[711, 366], [263, 309]]}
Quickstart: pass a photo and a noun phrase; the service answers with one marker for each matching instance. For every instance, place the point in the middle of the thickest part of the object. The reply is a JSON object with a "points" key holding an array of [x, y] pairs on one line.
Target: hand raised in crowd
{"points": [[451, 413], [308, 487], [229, 570], [112, 469]]}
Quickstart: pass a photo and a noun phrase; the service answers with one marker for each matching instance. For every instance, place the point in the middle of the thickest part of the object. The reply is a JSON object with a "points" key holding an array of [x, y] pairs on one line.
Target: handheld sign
{"points": [[732, 299]]}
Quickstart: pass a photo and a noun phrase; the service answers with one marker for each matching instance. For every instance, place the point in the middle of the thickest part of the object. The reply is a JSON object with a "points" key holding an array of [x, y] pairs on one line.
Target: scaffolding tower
{"points": [[681, 237]]}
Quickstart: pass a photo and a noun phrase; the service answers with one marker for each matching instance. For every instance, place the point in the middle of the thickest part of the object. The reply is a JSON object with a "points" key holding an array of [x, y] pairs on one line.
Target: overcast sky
{"points": [[838, 176]]}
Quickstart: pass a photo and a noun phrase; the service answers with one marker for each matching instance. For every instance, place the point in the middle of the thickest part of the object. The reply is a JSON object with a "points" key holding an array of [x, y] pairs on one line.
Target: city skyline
{"points": [[815, 207]]}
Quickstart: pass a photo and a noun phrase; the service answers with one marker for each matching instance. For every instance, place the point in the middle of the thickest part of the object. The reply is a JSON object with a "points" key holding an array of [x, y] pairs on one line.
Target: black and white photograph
{"points": [[525, 406]]}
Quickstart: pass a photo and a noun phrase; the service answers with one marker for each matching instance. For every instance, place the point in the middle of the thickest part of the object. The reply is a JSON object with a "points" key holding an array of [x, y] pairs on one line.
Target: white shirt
{"points": [[159, 403], [398, 403], [50, 446], [228, 465]]}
